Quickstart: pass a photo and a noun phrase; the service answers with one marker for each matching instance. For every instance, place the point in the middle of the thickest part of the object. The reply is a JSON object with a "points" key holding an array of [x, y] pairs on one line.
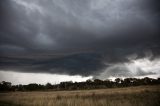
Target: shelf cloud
{"points": [[79, 37]]}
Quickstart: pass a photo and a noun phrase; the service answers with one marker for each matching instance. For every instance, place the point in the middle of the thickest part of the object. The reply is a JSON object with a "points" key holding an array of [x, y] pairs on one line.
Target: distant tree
{"points": [[65, 85], [21, 87], [158, 80], [5, 86], [89, 81], [147, 80], [89, 84], [48, 86], [126, 81], [117, 80], [108, 83], [32, 87], [98, 81]]}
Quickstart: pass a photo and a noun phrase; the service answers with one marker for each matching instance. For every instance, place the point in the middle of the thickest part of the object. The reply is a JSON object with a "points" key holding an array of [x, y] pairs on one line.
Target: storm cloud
{"points": [[78, 37]]}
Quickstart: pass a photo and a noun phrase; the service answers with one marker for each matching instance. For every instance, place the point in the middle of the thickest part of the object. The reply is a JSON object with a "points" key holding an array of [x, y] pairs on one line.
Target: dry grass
{"points": [[131, 96]]}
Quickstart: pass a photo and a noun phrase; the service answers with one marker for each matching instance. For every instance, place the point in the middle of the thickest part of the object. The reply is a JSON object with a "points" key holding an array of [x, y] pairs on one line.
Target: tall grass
{"points": [[131, 96]]}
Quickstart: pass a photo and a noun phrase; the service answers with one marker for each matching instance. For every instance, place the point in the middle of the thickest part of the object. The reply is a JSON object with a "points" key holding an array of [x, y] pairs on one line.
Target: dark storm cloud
{"points": [[76, 37], [121, 70]]}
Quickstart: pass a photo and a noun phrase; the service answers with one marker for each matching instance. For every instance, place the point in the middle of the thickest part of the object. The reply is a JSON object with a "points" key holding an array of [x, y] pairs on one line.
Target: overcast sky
{"points": [[78, 38]]}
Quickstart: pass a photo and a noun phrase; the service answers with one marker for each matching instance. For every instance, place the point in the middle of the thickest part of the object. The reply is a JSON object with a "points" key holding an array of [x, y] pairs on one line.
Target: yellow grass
{"points": [[131, 96]]}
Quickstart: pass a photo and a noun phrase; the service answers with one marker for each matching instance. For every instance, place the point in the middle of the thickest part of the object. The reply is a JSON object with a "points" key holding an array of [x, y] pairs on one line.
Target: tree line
{"points": [[89, 84]]}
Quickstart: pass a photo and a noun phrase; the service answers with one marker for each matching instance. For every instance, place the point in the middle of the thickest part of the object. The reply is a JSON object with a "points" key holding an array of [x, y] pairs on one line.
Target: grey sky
{"points": [[78, 37]]}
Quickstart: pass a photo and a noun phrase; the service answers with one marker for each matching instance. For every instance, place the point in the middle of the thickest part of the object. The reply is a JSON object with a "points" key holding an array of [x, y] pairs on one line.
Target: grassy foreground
{"points": [[131, 96]]}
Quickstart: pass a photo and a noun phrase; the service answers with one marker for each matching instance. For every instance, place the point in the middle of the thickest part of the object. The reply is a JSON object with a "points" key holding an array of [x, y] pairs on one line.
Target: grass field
{"points": [[131, 96]]}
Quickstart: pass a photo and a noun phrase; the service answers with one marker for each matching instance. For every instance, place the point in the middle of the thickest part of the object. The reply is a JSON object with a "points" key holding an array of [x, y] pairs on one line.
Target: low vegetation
{"points": [[121, 92], [89, 84], [128, 96]]}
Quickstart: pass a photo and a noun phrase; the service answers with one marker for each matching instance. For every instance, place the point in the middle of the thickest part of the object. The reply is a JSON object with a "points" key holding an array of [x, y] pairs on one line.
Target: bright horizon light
{"points": [[40, 78]]}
